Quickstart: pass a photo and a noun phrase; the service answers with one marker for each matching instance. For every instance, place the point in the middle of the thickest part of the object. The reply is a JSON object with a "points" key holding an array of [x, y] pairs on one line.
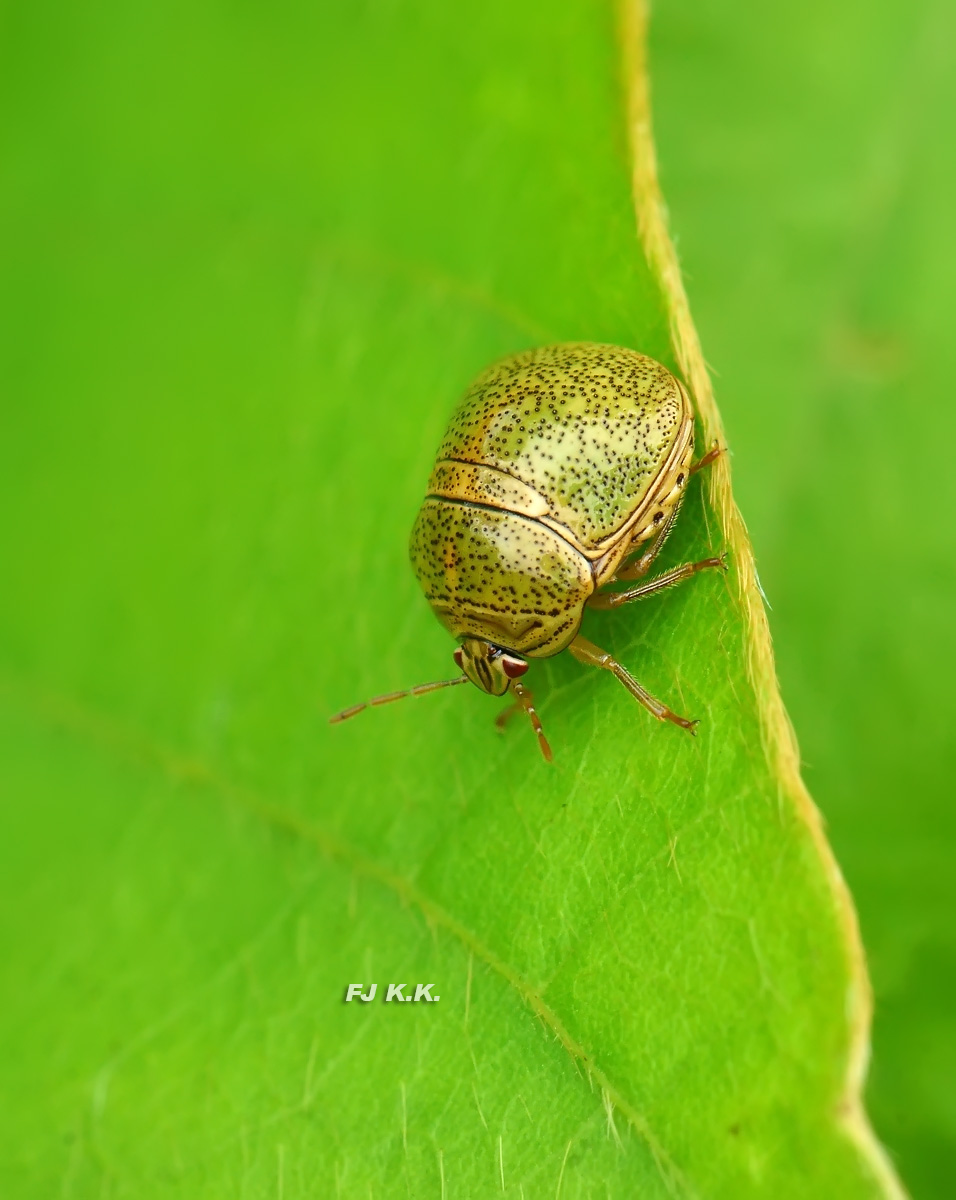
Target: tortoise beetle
{"points": [[562, 471]]}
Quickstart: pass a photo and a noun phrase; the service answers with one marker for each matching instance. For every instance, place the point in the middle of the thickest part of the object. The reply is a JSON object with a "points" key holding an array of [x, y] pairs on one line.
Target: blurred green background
{"points": [[807, 161], [196, 205]]}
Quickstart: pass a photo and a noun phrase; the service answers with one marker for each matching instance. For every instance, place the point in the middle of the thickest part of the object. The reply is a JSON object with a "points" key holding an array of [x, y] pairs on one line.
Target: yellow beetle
{"points": [[562, 470]]}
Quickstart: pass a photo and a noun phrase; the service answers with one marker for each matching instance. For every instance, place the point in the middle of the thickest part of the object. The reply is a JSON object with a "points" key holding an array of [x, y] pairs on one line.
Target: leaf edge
{"points": [[778, 736]]}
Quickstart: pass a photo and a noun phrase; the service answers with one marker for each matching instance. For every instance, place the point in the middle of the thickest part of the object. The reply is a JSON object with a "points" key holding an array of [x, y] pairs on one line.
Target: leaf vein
{"points": [[105, 732]]}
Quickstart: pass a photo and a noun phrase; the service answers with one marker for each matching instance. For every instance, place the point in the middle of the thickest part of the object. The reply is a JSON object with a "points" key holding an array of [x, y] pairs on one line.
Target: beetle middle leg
{"points": [[705, 460], [615, 599], [638, 567], [586, 652]]}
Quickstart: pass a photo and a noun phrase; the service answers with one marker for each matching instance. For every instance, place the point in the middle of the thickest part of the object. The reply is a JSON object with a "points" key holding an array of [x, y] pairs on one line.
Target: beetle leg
{"points": [[586, 652], [616, 599], [526, 701], [715, 451], [502, 719], [640, 566]]}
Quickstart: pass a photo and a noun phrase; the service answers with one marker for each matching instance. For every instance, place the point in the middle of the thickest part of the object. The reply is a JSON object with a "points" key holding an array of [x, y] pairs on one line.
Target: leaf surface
{"points": [[254, 257], [805, 156]]}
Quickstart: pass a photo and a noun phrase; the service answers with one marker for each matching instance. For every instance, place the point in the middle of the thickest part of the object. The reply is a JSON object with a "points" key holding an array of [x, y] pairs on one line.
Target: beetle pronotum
{"points": [[561, 472]]}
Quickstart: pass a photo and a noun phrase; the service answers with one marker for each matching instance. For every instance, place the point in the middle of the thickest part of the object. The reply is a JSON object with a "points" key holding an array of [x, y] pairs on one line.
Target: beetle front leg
{"points": [[524, 702], [586, 652], [616, 599]]}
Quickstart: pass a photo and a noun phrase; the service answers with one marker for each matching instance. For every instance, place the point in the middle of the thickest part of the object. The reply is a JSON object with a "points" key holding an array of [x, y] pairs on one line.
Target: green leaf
{"points": [[253, 258], [806, 159]]}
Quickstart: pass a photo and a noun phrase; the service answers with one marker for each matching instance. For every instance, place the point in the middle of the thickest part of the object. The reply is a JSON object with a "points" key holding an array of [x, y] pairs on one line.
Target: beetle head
{"points": [[488, 666]]}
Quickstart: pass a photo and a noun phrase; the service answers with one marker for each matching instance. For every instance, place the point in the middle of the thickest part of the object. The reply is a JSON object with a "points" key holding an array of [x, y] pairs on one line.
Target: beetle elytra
{"points": [[562, 471]]}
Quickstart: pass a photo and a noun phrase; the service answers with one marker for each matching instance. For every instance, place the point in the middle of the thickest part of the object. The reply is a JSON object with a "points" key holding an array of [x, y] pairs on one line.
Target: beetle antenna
{"points": [[419, 690], [525, 699]]}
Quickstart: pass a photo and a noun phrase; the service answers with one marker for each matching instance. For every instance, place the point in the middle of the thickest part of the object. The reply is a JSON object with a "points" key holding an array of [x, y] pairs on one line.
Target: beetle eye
{"points": [[458, 659], [513, 667]]}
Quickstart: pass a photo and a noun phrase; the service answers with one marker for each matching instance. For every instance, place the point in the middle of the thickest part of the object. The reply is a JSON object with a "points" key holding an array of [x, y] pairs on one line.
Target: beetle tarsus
{"points": [[720, 561], [586, 652], [715, 451]]}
